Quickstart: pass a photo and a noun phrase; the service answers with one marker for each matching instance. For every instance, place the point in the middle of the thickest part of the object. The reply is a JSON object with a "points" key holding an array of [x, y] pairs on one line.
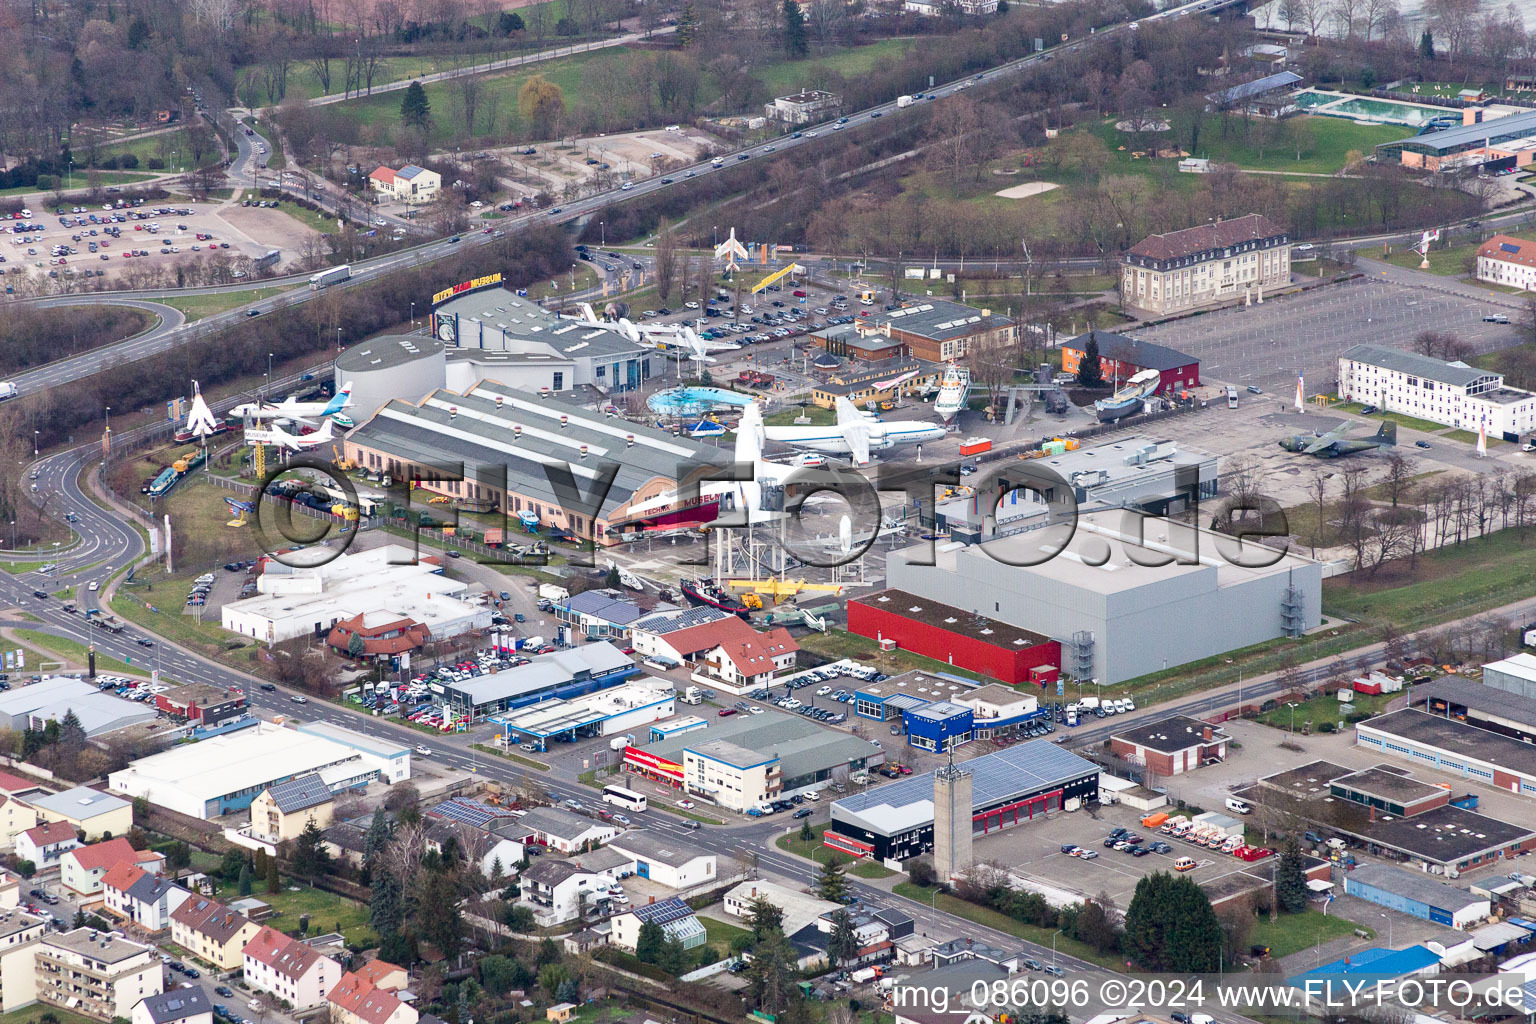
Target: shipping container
{"points": [[1154, 820], [975, 445]]}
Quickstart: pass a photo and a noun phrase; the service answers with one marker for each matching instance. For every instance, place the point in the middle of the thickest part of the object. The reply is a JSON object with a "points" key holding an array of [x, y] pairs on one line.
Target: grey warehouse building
{"points": [[1117, 612]]}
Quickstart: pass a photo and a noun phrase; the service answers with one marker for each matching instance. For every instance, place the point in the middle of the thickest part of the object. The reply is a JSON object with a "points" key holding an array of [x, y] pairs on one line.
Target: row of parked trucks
{"points": [[1211, 830]]}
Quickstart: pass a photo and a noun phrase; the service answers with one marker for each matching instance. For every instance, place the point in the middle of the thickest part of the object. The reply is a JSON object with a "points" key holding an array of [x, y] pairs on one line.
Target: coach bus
{"points": [[625, 798]]}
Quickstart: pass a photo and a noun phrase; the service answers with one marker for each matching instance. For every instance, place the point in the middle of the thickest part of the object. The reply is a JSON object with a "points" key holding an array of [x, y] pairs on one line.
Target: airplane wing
{"points": [[847, 412], [857, 436], [1318, 444]]}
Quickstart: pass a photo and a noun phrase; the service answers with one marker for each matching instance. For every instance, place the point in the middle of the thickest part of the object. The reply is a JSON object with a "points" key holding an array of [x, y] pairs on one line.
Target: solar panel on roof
{"points": [[664, 911], [1507, 247], [469, 812]]}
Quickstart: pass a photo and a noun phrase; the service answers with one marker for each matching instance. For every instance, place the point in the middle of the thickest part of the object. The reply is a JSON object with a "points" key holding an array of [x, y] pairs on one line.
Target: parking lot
{"points": [[1267, 345]]}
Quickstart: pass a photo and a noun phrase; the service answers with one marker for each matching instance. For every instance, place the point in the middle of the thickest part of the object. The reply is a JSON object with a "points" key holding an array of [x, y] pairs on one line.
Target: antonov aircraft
{"points": [[855, 434], [290, 409]]}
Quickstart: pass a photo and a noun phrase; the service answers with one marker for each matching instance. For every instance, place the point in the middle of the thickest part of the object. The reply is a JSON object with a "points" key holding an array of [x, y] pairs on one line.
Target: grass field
{"points": [[1402, 420], [718, 934], [34, 1013], [327, 912], [79, 181], [818, 416], [1291, 933], [195, 307], [320, 222], [812, 850], [786, 76], [1324, 708], [869, 869], [35, 659], [1447, 262], [1324, 142], [173, 144], [1447, 583], [1004, 923]]}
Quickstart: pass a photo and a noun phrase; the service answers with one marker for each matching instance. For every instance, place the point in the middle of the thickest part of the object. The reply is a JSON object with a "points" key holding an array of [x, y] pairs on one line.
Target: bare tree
{"points": [[666, 260]]}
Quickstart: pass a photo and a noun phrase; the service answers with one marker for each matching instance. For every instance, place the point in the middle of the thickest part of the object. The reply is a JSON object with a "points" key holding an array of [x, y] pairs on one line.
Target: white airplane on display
{"points": [[276, 435], [291, 409], [856, 434], [894, 382], [744, 497], [699, 348], [675, 335]]}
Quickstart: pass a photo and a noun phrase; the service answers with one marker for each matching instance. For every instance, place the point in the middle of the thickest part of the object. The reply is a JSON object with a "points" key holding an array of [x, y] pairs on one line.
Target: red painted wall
{"points": [[1006, 665]]}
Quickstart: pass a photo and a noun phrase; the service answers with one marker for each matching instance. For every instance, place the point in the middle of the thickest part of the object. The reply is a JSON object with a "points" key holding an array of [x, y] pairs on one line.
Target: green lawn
{"points": [[1447, 583], [1324, 143], [813, 850], [173, 144], [1003, 923], [34, 1013], [1402, 420], [1324, 708], [327, 912], [720, 935], [196, 307], [78, 181], [1447, 262], [870, 869], [818, 416], [15, 568], [526, 762], [323, 223], [1291, 933], [787, 76]]}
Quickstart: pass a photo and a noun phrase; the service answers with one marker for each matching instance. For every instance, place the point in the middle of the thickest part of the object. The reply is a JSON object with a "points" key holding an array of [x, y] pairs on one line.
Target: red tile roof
{"points": [[375, 971], [732, 634], [753, 655], [1524, 252], [384, 174], [53, 832], [361, 997], [105, 854], [286, 956], [122, 876], [209, 918], [1192, 241], [14, 783]]}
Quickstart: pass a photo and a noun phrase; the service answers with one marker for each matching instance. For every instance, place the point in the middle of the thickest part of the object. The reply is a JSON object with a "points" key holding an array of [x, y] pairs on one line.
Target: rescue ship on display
{"points": [[954, 389], [708, 592]]}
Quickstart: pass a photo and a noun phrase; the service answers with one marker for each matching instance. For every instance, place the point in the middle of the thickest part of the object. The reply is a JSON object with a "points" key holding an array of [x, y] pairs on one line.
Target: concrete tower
{"points": [[951, 820]]}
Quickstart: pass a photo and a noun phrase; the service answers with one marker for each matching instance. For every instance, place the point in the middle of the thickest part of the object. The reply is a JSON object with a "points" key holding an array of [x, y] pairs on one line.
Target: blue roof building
{"points": [[1367, 966]]}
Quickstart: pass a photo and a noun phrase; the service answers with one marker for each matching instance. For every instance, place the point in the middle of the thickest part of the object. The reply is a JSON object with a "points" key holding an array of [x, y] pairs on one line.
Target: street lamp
{"points": [[34, 443], [1053, 946], [338, 339], [109, 419], [1292, 706], [413, 316], [269, 374], [1387, 919]]}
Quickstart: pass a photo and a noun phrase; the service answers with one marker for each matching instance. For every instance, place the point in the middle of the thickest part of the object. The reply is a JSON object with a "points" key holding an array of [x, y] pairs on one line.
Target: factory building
{"points": [[1507, 712], [514, 445], [1123, 596], [388, 582], [225, 773], [33, 707], [1456, 748], [747, 760], [1008, 787], [1413, 892], [563, 675], [966, 639]]}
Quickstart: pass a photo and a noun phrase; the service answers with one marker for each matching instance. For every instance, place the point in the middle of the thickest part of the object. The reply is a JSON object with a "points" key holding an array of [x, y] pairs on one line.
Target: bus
{"points": [[625, 798], [270, 259], [1231, 397], [328, 277]]}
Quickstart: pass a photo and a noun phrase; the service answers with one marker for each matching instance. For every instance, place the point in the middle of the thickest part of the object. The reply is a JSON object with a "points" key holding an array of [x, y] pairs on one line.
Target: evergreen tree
{"points": [[274, 883], [355, 646], [648, 944], [672, 957], [771, 972], [832, 883], [1290, 880], [1170, 926], [376, 839], [687, 25], [71, 732], [613, 581], [764, 917], [310, 857], [260, 869], [440, 922], [385, 910], [1088, 373], [79, 921], [1427, 45], [806, 832], [843, 943], [415, 108], [795, 42], [245, 880]]}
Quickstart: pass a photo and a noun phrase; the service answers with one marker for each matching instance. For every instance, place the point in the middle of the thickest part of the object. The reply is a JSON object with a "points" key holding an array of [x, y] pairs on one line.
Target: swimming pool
{"points": [[1361, 108], [695, 401]]}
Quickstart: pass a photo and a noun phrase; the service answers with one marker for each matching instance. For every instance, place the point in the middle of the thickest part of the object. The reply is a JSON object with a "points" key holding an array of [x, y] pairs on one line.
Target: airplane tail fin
{"points": [[324, 433], [587, 313], [341, 401], [1387, 434], [749, 434]]}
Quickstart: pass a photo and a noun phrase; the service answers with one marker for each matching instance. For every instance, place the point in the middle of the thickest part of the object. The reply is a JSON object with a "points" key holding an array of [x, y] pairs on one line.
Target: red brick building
{"points": [[383, 636], [1122, 357], [1171, 746], [201, 703], [944, 633]]}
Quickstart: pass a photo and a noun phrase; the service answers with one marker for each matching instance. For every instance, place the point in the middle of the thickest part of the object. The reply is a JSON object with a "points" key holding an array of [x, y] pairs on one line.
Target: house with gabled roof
{"points": [[43, 845], [82, 868], [357, 1000], [212, 932], [141, 897], [283, 811], [288, 970]]}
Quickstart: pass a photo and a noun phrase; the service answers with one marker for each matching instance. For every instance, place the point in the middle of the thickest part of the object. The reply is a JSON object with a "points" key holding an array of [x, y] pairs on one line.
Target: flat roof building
{"points": [[224, 773], [1009, 786], [1122, 595], [1413, 892], [939, 330], [628, 706], [563, 675], [1475, 754], [1171, 746], [1507, 712], [387, 581], [33, 707], [1452, 393], [1515, 674], [513, 445], [784, 754], [964, 638], [1479, 139]]}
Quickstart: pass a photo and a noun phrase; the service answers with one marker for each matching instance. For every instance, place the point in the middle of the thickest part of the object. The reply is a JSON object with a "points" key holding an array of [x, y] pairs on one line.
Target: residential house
{"points": [[1508, 261], [213, 932], [283, 811], [675, 917], [562, 830], [347, 841], [141, 897], [721, 648], [43, 845], [357, 1000], [385, 975], [94, 973], [289, 970], [410, 184], [10, 889], [89, 810], [562, 889], [16, 816], [384, 634], [799, 909], [82, 868], [179, 1006]]}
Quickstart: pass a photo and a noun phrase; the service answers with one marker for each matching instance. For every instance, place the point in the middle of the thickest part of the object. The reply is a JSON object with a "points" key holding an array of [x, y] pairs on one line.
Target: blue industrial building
{"points": [[1367, 966], [939, 727], [563, 675], [881, 706], [1416, 893]]}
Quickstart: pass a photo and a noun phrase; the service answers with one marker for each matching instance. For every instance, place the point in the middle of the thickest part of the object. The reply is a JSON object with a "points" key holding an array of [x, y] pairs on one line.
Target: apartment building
{"points": [[83, 868], [731, 775], [287, 969], [1509, 261], [212, 932], [96, 973], [1209, 263], [19, 933]]}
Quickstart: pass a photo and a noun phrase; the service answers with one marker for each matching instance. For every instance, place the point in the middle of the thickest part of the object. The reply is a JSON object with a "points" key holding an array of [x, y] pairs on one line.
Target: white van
{"points": [[1184, 864], [1237, 806]]}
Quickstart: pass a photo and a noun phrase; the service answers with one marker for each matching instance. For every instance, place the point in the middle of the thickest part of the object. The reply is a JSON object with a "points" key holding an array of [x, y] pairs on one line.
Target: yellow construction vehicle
{"points": [[342, 463]]}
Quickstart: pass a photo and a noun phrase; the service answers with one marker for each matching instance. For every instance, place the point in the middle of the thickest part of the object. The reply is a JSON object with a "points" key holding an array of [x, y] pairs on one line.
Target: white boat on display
{"points": [[1127, 400], [954, 389]]}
